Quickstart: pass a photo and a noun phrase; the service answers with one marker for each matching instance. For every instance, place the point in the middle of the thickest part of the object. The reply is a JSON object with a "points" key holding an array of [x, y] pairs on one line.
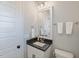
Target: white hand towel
{"points": [[69, 27], [60, 27]]}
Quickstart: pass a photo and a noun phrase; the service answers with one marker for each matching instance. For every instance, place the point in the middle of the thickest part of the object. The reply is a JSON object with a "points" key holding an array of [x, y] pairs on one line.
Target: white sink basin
{"points": [[39, 44]]}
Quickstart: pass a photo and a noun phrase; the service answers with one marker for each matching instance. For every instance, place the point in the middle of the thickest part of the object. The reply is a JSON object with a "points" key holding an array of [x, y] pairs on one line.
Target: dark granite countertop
{"points": [[48, 42]]}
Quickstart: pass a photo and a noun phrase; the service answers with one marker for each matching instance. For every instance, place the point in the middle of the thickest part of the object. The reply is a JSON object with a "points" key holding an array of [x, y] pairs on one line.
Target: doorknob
{"points": [[18, 46]]}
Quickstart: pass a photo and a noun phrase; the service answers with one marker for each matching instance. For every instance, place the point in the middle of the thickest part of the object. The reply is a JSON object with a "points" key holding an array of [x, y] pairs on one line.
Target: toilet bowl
{"points": [[63, 54]]}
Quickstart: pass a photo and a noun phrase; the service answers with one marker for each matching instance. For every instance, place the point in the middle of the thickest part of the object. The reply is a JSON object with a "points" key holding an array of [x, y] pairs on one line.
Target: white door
{"points": [[11, 32]]}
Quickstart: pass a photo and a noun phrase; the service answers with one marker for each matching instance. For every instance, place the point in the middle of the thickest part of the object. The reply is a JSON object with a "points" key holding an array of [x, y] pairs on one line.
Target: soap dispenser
{"points": [[33, 31]]}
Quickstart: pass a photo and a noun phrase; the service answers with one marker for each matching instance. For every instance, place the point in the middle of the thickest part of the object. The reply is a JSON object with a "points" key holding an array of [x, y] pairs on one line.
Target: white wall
{"points": [[30, 19], [30, 16], [67, 11]]}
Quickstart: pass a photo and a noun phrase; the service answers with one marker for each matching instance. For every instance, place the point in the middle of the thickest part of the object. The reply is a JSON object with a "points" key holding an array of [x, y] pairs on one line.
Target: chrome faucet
{"points": [[38, 38], [42, 40]]}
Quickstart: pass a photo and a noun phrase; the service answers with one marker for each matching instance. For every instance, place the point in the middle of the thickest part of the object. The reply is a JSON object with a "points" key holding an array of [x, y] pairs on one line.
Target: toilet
{"points": [[63, 54]]}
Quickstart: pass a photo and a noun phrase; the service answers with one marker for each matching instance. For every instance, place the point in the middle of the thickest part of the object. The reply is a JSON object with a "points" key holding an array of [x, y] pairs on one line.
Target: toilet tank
{"points": [[63, 54]]}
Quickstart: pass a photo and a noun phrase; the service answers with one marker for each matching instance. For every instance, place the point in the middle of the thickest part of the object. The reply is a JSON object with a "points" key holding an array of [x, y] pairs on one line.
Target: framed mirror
{"points": [[45, 22]]}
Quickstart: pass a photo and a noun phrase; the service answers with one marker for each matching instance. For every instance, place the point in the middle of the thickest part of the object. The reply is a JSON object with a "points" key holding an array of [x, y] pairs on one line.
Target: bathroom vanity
{"points": [[39, 49]]}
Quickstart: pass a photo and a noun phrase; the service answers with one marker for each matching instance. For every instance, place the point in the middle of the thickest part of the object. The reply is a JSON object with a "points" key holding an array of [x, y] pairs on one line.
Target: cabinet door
{"points": [[48, 53], [35, 53], [30, 51], [38, 53]]}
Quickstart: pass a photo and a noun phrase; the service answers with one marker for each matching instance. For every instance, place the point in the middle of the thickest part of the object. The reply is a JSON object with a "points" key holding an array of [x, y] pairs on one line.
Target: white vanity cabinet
{"points": [[37, 53]]}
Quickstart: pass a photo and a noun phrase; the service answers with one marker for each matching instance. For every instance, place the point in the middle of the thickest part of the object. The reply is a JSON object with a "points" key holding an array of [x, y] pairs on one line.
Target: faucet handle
{"points": [[41, 40]]}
